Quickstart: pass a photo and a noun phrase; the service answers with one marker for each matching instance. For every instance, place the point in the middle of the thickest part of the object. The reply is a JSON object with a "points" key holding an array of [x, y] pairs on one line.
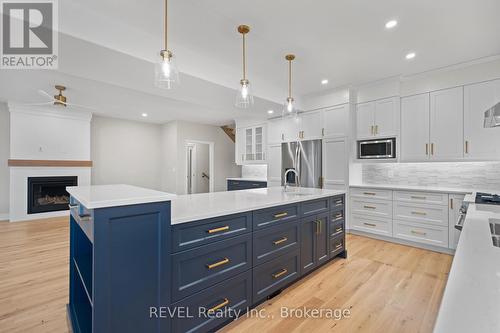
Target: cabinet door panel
{"points": [[275, 131], [446, 124], [322, 239], [311, 125], [334, 162], [274, 163], [291, 128], [386, 117], [336, 121], [415, 128], [478, 98], [365, 119], [307, 244]]}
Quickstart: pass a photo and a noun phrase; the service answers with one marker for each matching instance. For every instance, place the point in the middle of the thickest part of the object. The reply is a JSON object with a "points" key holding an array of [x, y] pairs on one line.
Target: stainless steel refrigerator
{"points": [[305, 158]]}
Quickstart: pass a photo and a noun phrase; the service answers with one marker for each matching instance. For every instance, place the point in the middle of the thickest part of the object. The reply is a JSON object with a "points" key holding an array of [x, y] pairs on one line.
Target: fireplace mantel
{"points": [[49, 163]]}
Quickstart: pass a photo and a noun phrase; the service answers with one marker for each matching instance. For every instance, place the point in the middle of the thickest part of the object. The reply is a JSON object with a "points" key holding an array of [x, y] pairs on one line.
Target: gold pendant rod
{"points": [[165, 24], [244, 59]]}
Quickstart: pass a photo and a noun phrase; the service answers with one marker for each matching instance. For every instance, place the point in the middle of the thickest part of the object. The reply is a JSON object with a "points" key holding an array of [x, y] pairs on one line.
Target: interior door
{"points": [[479, 140], [447, 124], [335, 164], [386, 117], [415, 128], [365, 119]]}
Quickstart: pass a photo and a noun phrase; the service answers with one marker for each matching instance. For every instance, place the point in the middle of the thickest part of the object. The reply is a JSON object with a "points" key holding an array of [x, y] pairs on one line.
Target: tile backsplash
{"points": [[254, 171], [474, 175]]}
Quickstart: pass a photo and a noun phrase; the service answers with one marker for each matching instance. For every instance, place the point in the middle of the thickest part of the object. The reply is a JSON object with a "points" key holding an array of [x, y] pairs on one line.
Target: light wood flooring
{"points": [[387, 287]]}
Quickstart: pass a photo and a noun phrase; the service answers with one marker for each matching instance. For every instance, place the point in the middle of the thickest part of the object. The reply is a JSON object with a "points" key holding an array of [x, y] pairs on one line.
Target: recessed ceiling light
{"points": [[391, 24], [410, 55], [270, 111], [325, 81], [144, 115]]}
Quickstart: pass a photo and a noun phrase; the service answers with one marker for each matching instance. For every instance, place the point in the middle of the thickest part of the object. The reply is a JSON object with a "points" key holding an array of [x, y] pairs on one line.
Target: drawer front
{"points": [[371, 225], [275, 275], [315, 207], [274, 216], [199, 268], [84, 218], [233, 294], [370, 193], [376, 208], [337, 245], [336, 227], [275, 241], [189, 235], [422, 197], [418, 213], [337, 203], [432, 235]]}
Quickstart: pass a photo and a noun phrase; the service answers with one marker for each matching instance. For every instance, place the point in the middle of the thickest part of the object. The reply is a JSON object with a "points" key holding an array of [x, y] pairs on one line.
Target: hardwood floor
{"points": [[387, 287]]}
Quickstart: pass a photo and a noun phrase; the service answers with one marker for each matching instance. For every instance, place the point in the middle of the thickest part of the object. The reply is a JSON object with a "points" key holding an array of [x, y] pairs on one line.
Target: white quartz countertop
{"points": [[414, 188], [248, 179], [471, 301], [194, 207], [101, 196]]}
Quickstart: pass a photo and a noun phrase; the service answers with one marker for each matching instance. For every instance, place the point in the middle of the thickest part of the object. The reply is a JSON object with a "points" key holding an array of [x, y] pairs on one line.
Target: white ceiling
{"points": [[344, 41], [107, 48]]}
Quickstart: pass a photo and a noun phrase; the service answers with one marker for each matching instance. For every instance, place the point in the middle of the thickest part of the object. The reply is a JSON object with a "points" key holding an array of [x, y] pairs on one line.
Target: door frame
{"points": [[211, 151]]}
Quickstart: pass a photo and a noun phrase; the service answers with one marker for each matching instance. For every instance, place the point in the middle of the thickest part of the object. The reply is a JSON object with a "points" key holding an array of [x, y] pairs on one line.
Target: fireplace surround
{"points": [[48, 194]]}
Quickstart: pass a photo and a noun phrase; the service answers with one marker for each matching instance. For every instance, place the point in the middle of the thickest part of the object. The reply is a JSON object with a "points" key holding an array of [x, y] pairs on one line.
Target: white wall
{"points": [[169, 161], [4, 156], [126, 152]]}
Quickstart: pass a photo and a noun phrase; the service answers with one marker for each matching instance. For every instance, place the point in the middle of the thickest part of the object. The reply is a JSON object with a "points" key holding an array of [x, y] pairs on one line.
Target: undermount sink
{"points": [[495, 231]]}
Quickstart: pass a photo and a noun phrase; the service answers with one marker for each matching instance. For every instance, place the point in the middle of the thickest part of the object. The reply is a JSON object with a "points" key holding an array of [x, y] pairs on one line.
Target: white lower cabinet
{"points": [[419, 217]]}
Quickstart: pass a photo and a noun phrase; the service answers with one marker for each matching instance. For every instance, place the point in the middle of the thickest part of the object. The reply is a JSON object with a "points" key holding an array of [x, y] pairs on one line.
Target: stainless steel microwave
{"points": [[377, 149]]}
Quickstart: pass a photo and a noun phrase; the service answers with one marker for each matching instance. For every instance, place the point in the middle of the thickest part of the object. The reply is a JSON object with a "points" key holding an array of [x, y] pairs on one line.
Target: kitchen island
{"points": [[155, 262]]}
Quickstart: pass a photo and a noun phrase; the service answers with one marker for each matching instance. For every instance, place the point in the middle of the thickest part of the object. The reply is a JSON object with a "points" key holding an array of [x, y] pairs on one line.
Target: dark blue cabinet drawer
{"points": [[234, 294], [275, 241], [234, 185], [199, 268], [336, 227], [275, 275], [274, 216], [337, 203], [315, 207], [188, 235], [336, 245]]}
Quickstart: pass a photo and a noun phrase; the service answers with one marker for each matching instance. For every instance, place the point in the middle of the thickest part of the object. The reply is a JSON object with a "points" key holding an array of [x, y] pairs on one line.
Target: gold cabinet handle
{"points": [[451, 203], [370, 224], [418, 197], [466, 147], [279, 241], [369, 193], [426, 149], [372, 129], [418, 233], [283, 272], [376, 129], [218, 263], [218, 306], [338, 217], [338, 246], [277, 216], [370, 207], [323, 132], [419, 213], [432, 148], [338, 229], [339, 202], [213, 231]]}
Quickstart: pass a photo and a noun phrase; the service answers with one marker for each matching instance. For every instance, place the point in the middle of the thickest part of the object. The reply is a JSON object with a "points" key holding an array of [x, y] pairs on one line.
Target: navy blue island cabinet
{"points": [[132, 270]]}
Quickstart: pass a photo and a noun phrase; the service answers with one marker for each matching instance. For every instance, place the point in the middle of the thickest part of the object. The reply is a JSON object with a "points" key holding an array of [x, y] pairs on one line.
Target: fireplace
{"points": [[48, 194]]}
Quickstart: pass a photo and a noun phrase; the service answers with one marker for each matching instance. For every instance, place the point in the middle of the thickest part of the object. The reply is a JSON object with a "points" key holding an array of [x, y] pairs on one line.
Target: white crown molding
{"points": [[50, 112]]}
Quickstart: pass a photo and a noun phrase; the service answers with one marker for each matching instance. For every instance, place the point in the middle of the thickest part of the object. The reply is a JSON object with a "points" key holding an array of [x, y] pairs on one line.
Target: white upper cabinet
{"points": [[336, 121], [310, 125], [446, 124], [275, 131], [378, 119], [335, 163], [250, 144], [415, 128], [291, 128], [274, 165], [480, 143]]}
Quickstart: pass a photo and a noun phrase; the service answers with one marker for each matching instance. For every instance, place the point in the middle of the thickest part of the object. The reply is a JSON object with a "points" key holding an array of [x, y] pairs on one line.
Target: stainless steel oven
{"points": [[377, 149]]}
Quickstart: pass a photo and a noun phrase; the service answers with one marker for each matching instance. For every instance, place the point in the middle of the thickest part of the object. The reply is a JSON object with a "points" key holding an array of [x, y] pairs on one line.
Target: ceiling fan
{"points": [[58, 100]]}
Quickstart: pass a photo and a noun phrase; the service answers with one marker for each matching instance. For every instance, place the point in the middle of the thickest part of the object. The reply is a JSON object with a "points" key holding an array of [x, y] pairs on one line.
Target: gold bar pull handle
{"points": [[279, 215], [338, 246], [451, 203], [372, 130], [279, 241], [369, 193], [370, 224], [418, 233], [369, 207], [219, 306], [283, 272], [376, 129], [432, 149], [338, 217], [338, 229], [218, 263], [466, 147], [418, 197], [213, 231], [426, 149], [419, 213]]}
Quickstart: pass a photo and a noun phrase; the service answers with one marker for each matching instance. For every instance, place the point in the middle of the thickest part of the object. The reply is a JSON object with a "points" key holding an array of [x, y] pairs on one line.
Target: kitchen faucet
{"points": [[296, 177]]}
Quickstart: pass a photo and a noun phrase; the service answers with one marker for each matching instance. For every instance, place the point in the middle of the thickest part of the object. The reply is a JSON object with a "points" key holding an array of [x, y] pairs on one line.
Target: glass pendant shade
{"points": [[289, 107], [166, 72], [244, 98]]}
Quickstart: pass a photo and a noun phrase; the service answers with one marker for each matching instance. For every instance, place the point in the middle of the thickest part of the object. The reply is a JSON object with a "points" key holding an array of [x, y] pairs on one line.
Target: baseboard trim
{"points": [[4, 216], [402, 242]]}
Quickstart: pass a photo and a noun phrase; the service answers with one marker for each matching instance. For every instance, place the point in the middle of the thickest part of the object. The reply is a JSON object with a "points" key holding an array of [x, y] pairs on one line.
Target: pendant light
{"points": [[166, 72], [244, 99], [289, 107]]}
